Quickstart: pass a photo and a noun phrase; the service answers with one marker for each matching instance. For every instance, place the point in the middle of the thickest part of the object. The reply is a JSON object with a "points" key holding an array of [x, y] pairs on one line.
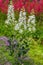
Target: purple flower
{"points": [[5, 39]]}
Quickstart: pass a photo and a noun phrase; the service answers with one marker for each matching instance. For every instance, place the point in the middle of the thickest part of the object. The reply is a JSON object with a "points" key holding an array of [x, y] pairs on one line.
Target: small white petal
{"points": [[33, 21], [29, 29], [24, 13], [17, 27], [33, 28], [20, 31], [6, 22]]}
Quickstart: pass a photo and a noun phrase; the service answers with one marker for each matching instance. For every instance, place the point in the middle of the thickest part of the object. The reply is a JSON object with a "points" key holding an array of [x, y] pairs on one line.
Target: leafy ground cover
{"points": [[35, 42]]}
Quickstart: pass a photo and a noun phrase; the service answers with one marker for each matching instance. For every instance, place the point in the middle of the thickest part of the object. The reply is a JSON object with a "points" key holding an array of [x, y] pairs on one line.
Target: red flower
{"points": [[37, 5], [18, 5], [4, 5]]}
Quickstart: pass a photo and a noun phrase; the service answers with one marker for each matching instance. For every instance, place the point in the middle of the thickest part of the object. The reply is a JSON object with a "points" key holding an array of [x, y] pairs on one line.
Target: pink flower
{"points": [[37, 5], [4, 5], [29, 6], [0, 3], [18, 5]]}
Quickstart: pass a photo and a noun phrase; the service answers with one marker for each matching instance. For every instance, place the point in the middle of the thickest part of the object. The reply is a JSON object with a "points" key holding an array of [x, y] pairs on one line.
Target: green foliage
{"points": [[33, 39]]}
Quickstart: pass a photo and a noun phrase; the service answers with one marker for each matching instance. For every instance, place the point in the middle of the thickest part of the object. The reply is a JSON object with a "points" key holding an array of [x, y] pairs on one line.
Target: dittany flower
{"points": [[31, 23], [21, 22], [10, 15]]}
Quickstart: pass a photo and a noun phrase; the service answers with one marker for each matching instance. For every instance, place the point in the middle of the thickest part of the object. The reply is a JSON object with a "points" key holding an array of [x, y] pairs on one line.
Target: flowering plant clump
{"points": [[21, 25], [37, 5], [5, 39], [22, 32], [10, 15], [19, 50], [24, 23], [4, 5], [31, 22]]}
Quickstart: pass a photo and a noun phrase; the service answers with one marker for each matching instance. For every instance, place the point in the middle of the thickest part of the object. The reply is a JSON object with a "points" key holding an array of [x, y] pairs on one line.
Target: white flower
{"points": [[10, 15], [6, 22], [20, 14], [31, 23], [33, 28], [32, 16], [20, 31], [30, 29], [24, 13], [25, 27], [15, 21], [17, 27], [20, 24], [22, 19], [28, 20]]}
